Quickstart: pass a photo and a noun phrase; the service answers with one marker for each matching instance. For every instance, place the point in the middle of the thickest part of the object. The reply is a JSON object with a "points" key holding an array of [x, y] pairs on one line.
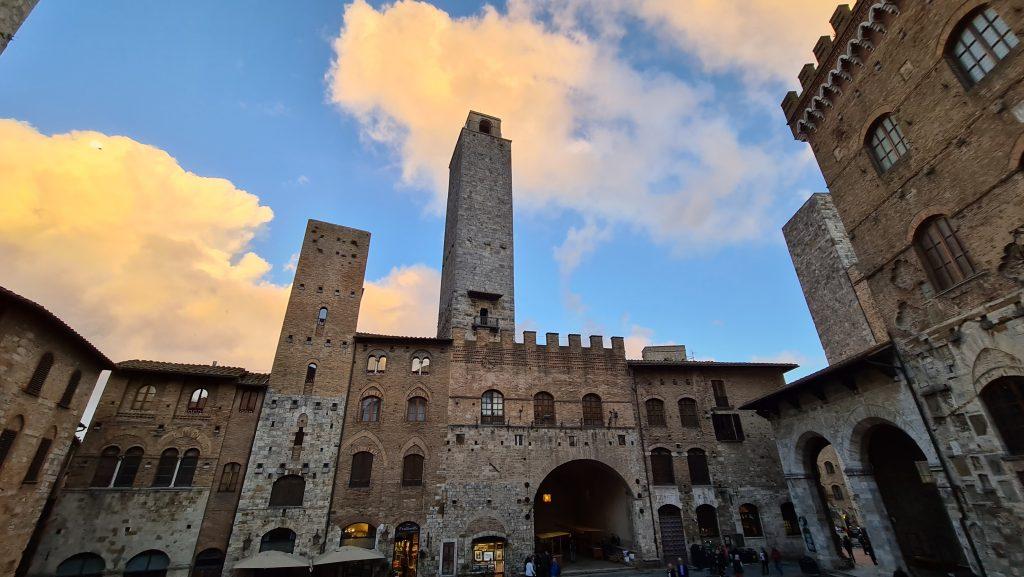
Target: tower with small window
{"points": [[477, 271]]}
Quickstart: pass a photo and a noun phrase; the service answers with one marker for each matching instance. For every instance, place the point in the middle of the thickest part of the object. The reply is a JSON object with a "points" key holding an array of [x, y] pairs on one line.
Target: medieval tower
{"points": [[290, 476], [477, 271]]}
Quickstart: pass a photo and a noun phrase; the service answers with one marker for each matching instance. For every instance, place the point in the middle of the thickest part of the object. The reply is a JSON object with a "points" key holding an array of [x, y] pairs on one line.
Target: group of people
{"points": [[543, 564], [865, 544], [722, 559]]}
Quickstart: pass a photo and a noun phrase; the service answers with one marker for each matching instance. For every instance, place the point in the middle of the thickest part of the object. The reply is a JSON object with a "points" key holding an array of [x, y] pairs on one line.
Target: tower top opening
{"points": [[484, 123]]}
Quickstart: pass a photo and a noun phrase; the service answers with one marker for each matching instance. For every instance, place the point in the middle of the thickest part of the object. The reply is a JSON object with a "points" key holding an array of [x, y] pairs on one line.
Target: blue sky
{"points": [[244, 91]]}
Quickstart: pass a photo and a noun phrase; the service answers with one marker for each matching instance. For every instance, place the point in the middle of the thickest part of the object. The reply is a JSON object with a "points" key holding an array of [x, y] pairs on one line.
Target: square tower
{"points": [[477, 272]]}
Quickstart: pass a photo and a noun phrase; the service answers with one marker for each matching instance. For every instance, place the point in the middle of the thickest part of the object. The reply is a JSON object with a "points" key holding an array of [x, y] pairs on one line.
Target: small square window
{"points": [[519, 440], [460, 439]]}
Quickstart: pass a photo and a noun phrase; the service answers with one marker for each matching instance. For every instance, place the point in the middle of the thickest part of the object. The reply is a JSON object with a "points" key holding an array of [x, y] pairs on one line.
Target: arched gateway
{"points": [[583, 512]]}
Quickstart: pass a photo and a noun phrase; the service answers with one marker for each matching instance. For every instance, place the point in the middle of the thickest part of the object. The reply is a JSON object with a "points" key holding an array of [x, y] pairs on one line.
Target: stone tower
{"points": [[301, 422], [477, 272]]}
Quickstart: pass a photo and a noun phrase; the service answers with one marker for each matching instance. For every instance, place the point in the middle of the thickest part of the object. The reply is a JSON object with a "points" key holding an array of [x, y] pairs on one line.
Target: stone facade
{"points": [[47, 373], [915, 136], [12, 15], [119, 516]]}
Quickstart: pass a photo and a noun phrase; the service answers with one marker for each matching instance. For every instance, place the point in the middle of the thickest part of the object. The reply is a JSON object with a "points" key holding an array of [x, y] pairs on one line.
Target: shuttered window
{"points": [[35, 383], [412, 471], [69, 391], [38, 460], [661, 467], [655, 412], [362, 467], [728, 427], [688, 414]]}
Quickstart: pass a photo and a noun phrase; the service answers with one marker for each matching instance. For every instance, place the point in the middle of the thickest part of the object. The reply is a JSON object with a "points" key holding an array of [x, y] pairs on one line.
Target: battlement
{"points": [[551, 344], [839, 59]]}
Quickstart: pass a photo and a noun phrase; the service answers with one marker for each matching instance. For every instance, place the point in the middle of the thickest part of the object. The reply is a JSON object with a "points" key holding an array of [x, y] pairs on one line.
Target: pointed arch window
{"points": [[376, 363], [492, 408], [35, 383], [1004, 400], [310, 373], [197, 402], [229, 477], [982, 39], [362, 469], [421, 364], [688, 413], [288, 491], [369, 409], [593, 412], [144, 398], [655, 412], [412, 470], [70, 389], [661, 467], [543, 409], [697, 462], [106, 467], [187, 468], [941, 254], [416, 410], [166, 468], [886, 142], [128, 467], [750, 520]]}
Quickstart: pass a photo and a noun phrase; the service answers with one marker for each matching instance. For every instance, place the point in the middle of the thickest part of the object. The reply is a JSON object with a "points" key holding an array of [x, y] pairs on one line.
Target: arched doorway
{"points": [[209, 563], [919, 519], [821, 462], [673, 540], [583, 512], [489, 556], [407, 549]]}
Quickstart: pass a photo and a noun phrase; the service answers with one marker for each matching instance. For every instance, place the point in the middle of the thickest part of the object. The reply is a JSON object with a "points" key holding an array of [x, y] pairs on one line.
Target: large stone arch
{"points": [[991, 364], [365, 441], [853, 448], [485, 526]]}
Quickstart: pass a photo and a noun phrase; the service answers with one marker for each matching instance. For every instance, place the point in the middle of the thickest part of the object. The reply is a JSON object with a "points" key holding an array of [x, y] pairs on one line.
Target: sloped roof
{"points": [[215, 371], [57, 321]]}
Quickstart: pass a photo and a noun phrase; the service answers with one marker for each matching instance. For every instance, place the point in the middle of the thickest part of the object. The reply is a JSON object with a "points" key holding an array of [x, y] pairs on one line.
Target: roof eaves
{"points": [[54, 318]]}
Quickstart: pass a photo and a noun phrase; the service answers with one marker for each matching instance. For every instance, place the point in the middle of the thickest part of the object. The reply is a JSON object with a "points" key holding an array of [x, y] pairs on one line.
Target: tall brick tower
{"points": [[294, 454], [477, 272]]}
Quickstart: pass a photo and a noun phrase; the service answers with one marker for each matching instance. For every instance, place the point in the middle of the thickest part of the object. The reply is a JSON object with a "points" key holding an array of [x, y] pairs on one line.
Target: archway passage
{"points": [[673, 540], [583, 512], [919, 518]]}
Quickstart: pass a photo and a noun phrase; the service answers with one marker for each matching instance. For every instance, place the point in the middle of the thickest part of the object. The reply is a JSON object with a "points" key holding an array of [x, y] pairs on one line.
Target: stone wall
{"points": [[12, 14]]}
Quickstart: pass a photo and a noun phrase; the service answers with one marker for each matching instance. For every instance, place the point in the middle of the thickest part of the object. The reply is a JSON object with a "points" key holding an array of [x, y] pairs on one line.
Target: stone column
{"points": [[814, 520], [866, 497]]}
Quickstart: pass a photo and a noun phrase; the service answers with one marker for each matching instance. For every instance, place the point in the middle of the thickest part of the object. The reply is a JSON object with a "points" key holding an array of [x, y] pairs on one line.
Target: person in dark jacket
{"points": [[865, 544], [777, 560], [737, 566], [848, 545]]}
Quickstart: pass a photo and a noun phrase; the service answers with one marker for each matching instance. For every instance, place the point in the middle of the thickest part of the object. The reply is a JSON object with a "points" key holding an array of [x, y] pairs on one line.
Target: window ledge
{"points": [[955, 288]]}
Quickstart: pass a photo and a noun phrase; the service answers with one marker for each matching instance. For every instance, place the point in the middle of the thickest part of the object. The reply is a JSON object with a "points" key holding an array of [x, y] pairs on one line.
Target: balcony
{"points": [[486, 322]]}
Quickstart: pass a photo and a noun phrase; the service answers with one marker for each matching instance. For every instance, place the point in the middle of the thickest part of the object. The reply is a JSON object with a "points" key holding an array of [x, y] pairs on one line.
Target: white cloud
{"points": [[788, 356], [404, 302], [638, 338], [591, 133]]}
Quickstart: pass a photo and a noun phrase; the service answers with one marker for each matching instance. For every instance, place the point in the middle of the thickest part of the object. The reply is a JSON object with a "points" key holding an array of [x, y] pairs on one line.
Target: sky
{"points": [[158, 163]]}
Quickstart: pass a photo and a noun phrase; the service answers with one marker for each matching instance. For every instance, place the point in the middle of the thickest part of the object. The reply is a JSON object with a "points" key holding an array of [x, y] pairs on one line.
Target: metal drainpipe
{"points": [[643, 455], [341, 436], [942, 459]]}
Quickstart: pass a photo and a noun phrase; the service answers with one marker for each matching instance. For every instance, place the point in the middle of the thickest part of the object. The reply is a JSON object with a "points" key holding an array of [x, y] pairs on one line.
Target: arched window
{"points": [[941, 254], [279, 539], [209, 563], [688, 413], [8, 436], [707, 521], [300, 437], [416, 410], [359, 535], [369, 410], [421, 364], [106, 467], [412, 470], [288, 491], [310, 373], [830, 469], [82, 565], [750, 519], [492, 408], [837, 492], [150, 563], [35, 383], [362, 469], [377, 363], [69, 391], [197, 402], [886, 142], [485, 126], [38, 461], [655, 412], [981, 41], [593, 414], [144, 398], [128, 467], [165, 468], [661, 467], [789, 520], [1004, 400], [187, 468], [543, 409], [321, 317], [229, 477], [697, 462]]}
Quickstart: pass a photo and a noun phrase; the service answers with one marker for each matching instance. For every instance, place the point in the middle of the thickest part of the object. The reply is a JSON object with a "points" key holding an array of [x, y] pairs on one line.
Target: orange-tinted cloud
{"points": [[402, 303]]}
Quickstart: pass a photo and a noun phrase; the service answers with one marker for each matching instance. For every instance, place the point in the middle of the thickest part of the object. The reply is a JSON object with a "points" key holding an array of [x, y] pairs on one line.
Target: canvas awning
{"points": [[553, 534], [347, 553], [272, 560]]}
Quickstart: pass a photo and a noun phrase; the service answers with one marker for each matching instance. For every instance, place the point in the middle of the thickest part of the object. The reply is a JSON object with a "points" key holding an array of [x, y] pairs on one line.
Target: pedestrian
{"points": [[762, 555], [671, 571], [777, 559], [556, 569], [531, 571], [681, 567], [865, 544], [543, 564], [848, 545], [737, 566]]}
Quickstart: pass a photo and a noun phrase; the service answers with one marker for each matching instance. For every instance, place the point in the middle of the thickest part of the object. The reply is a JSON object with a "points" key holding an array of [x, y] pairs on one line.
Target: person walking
{"points": [[777, 559], [543, 564], [681, 567], [671, 571], [737, 566], [848, 545], [865, 544], [762, 556], [531, 570], [556, 569]]}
